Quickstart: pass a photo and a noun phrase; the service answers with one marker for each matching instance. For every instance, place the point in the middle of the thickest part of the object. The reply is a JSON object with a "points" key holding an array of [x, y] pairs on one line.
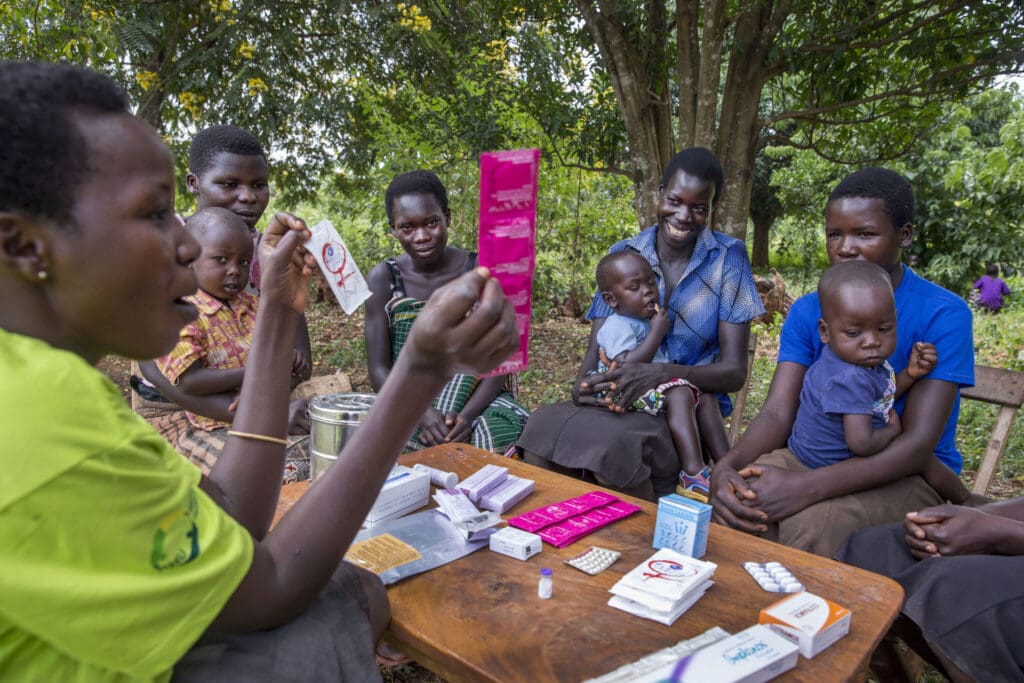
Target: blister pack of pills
{"points": [[594, 560], [773, 577]]}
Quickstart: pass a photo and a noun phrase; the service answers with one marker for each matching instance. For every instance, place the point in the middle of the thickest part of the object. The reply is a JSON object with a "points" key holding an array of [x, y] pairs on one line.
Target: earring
{"points": [[42, 274]]}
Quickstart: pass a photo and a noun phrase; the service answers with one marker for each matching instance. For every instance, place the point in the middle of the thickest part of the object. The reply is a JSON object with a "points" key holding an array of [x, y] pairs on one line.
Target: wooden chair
{"points": [[740, 401], [1004, 388]]}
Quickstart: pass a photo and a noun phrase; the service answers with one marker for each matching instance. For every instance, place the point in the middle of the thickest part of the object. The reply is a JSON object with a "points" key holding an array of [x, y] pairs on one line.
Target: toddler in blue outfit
{"points": [[846, 403]]}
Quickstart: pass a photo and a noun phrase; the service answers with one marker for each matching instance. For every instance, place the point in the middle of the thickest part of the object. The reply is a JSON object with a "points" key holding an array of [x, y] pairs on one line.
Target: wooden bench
{"points": [[1004, 388], [740, 401]]}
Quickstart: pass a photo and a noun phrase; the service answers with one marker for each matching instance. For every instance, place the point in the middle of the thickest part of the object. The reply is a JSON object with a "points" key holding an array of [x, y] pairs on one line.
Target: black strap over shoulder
{"points": [[395, 275], [398, 284]]}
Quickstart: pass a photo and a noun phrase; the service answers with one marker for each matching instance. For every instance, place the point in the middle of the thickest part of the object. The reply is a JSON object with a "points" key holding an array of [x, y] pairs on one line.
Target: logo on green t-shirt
{"points": [[176, 541]]}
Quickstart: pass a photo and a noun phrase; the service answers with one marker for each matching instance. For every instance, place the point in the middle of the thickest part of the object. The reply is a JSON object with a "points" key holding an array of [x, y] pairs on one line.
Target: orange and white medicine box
{"points": [[810, 621]]}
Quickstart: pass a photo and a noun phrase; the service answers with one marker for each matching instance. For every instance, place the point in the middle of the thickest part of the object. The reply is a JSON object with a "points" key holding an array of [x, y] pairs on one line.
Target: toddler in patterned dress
{"points": [[634, 333]]}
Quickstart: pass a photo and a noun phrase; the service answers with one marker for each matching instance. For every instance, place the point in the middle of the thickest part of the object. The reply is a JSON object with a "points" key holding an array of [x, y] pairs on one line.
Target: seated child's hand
{"points": [[608, 363], [458, 332], [660, 323], [459, 428], [923, 359], [298, 418], [286, 266], [894, 419], [300, 367]]}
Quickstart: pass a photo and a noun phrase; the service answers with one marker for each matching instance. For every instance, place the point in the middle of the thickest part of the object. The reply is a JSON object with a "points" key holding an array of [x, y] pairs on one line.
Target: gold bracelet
{"points": [[258, 437]]}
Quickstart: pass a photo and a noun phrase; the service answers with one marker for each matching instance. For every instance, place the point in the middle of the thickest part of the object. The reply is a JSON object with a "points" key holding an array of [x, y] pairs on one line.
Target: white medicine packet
{"points": [[338, 266]]}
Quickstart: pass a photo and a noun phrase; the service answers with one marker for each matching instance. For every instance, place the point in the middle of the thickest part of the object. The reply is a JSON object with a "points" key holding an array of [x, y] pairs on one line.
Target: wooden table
{"points": [[479, 618]]}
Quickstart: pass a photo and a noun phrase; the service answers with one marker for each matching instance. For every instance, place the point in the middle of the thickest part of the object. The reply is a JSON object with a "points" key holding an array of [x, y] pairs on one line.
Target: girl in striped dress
{"points": [[483, 412]]}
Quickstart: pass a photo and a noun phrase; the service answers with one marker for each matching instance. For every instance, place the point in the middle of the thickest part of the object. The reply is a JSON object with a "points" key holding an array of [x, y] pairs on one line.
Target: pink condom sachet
{"points": [[570, 520]]}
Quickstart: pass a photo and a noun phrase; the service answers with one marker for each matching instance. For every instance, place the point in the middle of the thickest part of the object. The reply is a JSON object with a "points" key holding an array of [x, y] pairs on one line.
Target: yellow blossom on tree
{"points": [[256, 86], [246, 50], [496, 50], [412, 17], [192, 102], [146, 79]]}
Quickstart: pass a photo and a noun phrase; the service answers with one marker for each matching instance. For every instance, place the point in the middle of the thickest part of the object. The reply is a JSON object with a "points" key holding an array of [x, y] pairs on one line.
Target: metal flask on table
{"points": [[333, 419]]}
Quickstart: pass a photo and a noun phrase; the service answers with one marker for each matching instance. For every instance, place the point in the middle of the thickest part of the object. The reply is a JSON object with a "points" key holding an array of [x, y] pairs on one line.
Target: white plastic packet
{"points": [[338, 266]]}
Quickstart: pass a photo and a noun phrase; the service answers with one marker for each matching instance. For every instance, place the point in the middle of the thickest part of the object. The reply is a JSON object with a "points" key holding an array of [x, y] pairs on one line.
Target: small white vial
{"points": [[439, 478], [544, 586]]}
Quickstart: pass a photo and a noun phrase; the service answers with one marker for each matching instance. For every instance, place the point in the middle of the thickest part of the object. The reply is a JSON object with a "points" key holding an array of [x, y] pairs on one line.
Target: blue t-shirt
{"points": [[924, 312], [624, 333], [834, 388], [717, 285]]}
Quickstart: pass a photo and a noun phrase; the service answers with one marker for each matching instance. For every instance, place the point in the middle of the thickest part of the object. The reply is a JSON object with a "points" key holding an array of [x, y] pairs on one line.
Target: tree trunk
{"points": [[756, 27], [762, 228], [151, 107], [637, 81], [645, 110], [699, 70]]}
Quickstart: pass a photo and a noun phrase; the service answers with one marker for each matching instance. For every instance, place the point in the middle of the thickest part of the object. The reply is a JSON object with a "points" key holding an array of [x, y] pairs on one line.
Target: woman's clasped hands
{"points": [[957, 530], [618, 387]]}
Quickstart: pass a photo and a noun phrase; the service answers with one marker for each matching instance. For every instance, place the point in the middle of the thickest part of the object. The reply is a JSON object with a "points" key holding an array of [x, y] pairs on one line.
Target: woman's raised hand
{"points": [[285, 264], [467, 326]]}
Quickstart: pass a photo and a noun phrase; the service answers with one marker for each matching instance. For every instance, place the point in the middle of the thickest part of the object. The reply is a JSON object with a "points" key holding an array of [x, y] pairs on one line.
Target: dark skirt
{"points": [[625, 450], [968, 607], [330, 641]]}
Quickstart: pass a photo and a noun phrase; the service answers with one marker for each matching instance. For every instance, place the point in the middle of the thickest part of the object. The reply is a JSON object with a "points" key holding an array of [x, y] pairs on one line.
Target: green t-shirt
{"points": [[112, 561]]}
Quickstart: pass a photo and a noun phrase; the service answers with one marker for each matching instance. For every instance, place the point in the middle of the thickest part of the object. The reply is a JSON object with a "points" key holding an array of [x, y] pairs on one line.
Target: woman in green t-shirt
{"points": [[115, 554]]}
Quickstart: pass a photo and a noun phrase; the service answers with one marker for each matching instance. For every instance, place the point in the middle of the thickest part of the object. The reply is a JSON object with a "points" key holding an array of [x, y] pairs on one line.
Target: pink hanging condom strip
{"points": [[508, 219]]}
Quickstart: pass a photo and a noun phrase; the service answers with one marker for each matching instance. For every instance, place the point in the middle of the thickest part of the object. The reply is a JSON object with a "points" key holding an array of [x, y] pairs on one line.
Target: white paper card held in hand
{"points": [[338, 266]]}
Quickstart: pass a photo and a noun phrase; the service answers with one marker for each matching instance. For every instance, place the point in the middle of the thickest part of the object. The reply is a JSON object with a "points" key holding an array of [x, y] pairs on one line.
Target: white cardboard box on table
{"points": [[810, 621], [404, 490]]}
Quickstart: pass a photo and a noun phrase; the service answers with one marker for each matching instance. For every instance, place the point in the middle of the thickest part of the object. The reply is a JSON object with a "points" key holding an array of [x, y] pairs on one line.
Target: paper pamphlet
{"points": [[412, 544], [508, 219], [380, 553], [669, 574], [338, 266]]}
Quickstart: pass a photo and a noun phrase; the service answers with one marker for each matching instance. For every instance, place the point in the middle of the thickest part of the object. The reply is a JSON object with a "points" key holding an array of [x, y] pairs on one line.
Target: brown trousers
{"points": [[823, 527]]}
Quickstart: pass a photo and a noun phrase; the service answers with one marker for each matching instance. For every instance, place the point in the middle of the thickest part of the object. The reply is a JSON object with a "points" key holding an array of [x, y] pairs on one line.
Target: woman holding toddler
{"points": [[761, 487], [706, 288]]}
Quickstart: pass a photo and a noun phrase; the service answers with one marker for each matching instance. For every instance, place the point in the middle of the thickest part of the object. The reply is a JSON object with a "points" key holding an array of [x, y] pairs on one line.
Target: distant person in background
{"points": [[989, 290]]}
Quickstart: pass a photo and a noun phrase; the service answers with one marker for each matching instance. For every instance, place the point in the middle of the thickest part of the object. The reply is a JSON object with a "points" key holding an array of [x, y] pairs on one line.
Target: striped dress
{"points": [[500, 424]]}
